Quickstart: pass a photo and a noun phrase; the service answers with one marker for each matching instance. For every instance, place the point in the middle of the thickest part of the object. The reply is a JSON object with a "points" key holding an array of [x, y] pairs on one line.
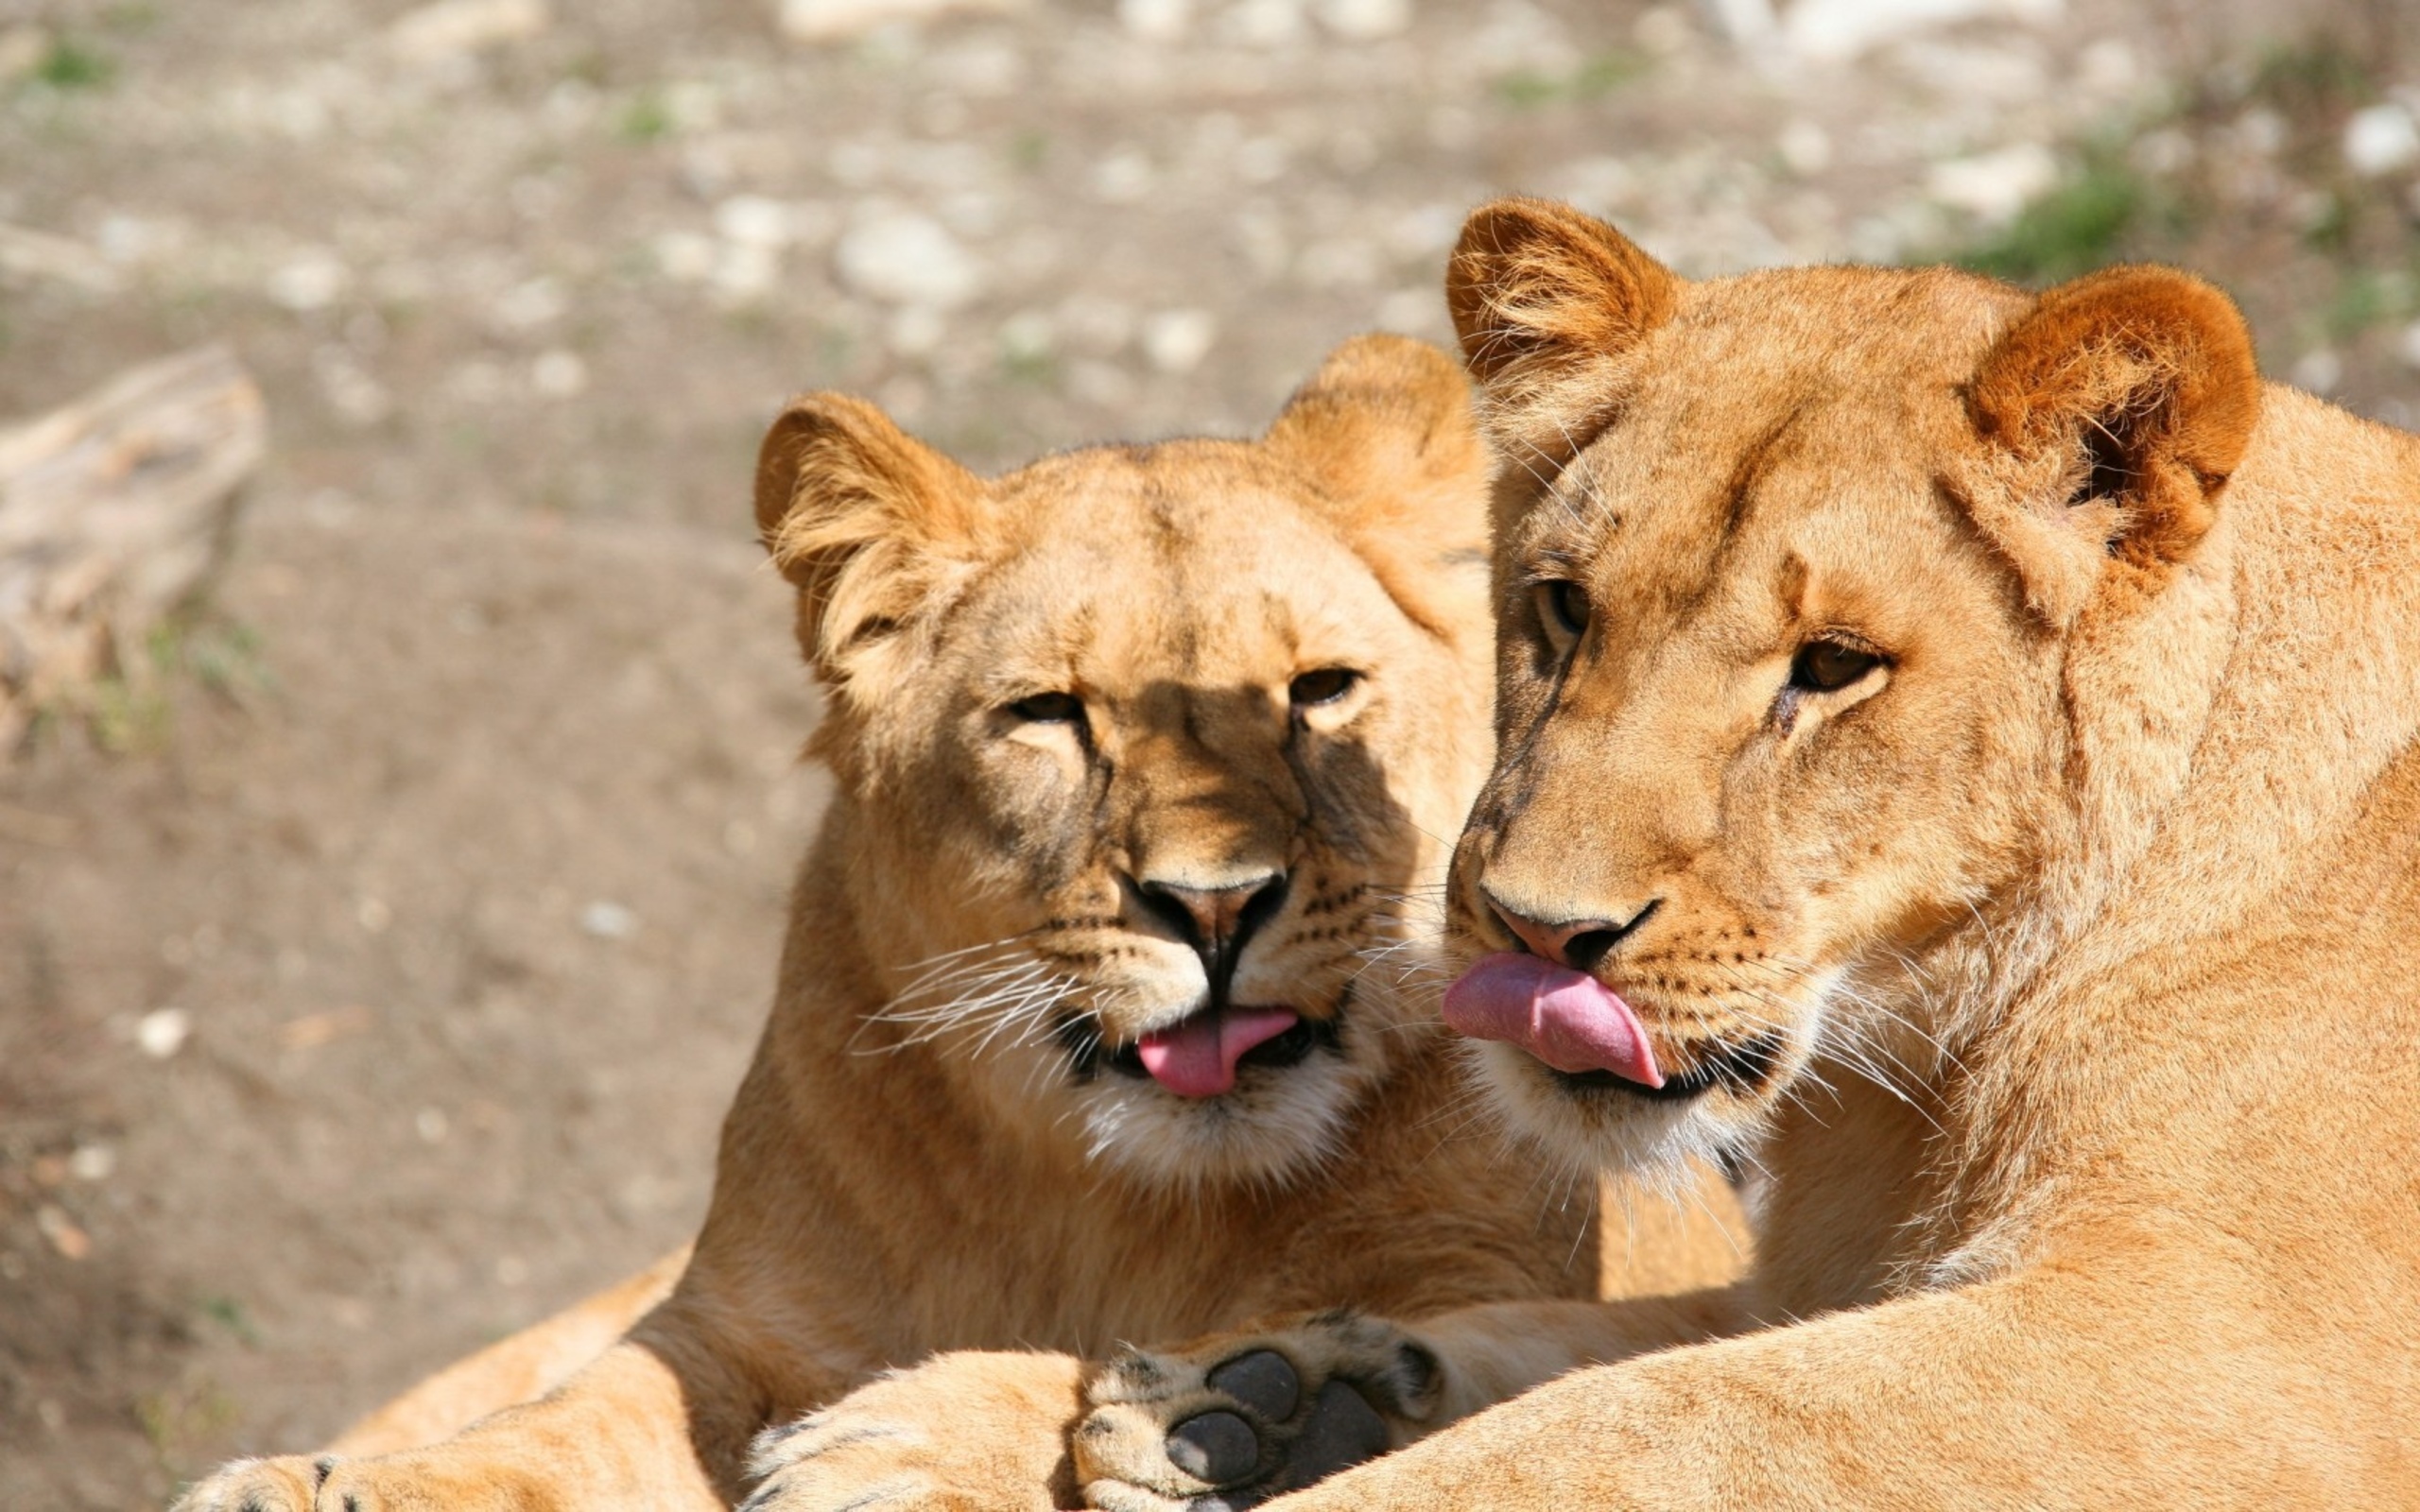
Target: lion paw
{"points": [[289, 1484], [963, 1432], [1231, 1422]]}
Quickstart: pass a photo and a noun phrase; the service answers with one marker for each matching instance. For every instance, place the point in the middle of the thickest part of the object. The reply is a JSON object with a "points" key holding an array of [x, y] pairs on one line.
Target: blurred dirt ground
{"points": [[377, 953]]}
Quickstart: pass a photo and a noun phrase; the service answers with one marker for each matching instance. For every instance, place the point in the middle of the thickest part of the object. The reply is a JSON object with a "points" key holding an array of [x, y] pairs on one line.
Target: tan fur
{"points": [[2079, 928], [934, 1149]]}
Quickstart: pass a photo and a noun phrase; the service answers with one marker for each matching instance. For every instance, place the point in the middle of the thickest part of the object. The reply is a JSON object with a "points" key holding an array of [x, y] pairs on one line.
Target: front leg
{"points": [[967, 1432], [617, 1436], [1232, 1420], [2043, 1393]]}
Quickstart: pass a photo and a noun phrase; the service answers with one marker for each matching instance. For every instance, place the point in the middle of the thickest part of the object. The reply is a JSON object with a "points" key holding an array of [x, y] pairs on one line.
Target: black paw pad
{"points": [[1217, 1447], [1264, 1381], [1344, 1431]]}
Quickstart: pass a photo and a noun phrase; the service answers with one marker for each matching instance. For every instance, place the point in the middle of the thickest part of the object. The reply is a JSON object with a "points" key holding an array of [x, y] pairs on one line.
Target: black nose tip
{"points": [[1216, 921], [1580, 943]]}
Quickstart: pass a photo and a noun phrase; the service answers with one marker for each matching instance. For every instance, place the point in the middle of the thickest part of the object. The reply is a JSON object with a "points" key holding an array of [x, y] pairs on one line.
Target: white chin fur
{"points": [[1278, 1124], [1655, 1141]]}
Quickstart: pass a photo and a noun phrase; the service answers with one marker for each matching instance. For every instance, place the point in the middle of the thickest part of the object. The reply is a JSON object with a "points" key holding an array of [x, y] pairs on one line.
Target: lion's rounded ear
{"points": [[1386, 426], [1547, 300], [864, 520], [2116, 410], [1383, 414]]}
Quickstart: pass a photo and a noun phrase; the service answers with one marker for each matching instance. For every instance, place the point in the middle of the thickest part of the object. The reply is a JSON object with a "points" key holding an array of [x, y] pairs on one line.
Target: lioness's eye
{"points": [[1563, 608], [1050, 708], [1828, 666], [1326, 685]]}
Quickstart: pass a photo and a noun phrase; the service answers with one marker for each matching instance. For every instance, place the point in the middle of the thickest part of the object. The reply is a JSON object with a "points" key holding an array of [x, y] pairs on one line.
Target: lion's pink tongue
{"points": [[1198, 1057], [1568, 1019]]}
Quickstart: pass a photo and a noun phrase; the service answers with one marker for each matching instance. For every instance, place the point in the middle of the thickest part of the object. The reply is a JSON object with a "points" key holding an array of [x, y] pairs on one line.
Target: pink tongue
{"points": [[1198, 1057], [1568, 1019]]}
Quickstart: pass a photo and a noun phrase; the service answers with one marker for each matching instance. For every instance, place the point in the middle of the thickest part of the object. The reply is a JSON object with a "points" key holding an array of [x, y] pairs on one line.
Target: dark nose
{"points": [[1216, 921], [1579, 943]]}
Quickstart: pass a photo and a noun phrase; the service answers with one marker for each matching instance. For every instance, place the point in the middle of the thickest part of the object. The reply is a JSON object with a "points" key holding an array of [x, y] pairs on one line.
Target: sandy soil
{"points": [[453, 833]]}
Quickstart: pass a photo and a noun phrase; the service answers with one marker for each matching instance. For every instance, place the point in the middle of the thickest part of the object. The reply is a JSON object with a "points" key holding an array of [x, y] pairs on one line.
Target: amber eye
{"points": [[1828, 666], [1563, 609], [1326, 685], [1049, 708]]}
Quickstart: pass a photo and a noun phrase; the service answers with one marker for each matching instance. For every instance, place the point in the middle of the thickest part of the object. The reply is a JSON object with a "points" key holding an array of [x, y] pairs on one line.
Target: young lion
{"points": [[1960, 751], [1139, 752]]}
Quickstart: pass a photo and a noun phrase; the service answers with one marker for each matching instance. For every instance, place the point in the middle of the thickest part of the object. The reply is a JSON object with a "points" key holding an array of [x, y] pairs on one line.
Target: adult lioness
{"points": [[1139, 752], [1960, 751]]}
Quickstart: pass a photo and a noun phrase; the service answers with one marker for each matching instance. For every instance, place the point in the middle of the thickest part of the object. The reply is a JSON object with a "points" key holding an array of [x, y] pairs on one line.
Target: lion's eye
{"points": [[1049, 708], [1828, 666], [1563, 609], [1326, 685]]}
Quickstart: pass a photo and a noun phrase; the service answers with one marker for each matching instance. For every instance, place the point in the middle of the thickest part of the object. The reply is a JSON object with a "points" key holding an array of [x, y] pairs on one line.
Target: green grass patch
{"points": [[71, 65], [1597, 77], [2082, 224]]}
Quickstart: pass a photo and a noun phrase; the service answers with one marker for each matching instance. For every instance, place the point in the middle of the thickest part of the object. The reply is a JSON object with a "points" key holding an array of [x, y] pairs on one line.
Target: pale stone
{"points": [[1155, 20], [1805, 149], [839, 20], [2319, 370], [1364, 20], [2381, 139], [312, 279], [1836, 30], [163, 1032], [1994, 186], [1175, 341], [605, 920], [454, 28], [559, 374], [901, 257]]}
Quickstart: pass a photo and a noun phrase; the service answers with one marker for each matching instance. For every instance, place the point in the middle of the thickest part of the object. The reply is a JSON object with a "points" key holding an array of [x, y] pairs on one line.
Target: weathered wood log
{"points": [[111, 511]]}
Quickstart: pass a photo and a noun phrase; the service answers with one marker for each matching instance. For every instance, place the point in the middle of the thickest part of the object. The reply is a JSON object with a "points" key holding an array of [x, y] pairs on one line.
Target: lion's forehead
{"points": [[1217, 590]]}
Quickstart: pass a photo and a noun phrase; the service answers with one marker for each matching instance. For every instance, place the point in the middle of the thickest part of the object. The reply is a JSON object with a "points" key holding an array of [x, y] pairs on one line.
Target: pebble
{"points": [[1837, 30], [163, 1032], [1159, 20], [1175, 341], [1994, 186], [64, 1232], [454, 28], [2380, 139], [312, 279], [605, 920], [823, 21], [1364, 20], [902, 257], [2406, 346], [559, 373]]}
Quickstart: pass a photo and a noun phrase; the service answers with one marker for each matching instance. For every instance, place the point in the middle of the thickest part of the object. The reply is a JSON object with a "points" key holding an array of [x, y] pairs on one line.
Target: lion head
{"points": [[1143, 751], [1804, 579]]}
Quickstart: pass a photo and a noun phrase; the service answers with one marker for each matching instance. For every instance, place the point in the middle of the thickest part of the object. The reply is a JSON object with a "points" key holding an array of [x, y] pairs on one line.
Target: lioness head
{"points": [[1143, 750], [1802, 580]]}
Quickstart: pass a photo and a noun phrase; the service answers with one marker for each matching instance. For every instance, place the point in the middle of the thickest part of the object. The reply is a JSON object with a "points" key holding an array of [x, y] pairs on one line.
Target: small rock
{"points": [[916, 331], [903, 258], [1994, 186], [608, 920], [455, 28], [1270, 23], [533, 303], [559, 373], [430, 1125], [2408, 345], [753, 220], [312, 279], [162, 1032], [1175, 341], [1364, 20], [1155, 20], [63, 1232], [1837, 30], [1805, 149], [2319, 370], [839, 20], [2381, 139], [91, 1163], [1123, 177]]}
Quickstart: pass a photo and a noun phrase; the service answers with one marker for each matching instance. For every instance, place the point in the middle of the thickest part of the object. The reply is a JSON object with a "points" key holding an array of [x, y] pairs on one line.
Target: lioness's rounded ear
{"points": [[861, 518], [1386, 426], [1547, 299], [2120, 406], [1383, 412]]}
